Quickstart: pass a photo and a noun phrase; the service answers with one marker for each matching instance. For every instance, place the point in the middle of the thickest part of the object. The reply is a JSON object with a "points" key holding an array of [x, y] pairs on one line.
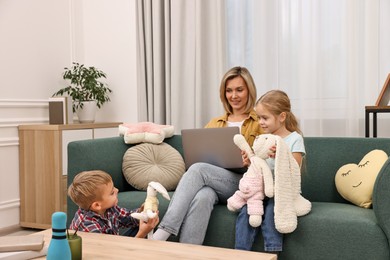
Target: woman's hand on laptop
{"points": [[245, 159]]}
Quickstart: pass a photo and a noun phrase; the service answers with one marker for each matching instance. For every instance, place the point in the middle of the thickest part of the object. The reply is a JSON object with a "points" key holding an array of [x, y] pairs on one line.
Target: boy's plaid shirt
{"points": [[114, 219]]}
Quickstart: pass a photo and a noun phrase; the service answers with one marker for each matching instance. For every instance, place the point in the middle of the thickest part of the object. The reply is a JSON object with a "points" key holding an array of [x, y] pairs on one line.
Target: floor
{"points": [[20, 232]]}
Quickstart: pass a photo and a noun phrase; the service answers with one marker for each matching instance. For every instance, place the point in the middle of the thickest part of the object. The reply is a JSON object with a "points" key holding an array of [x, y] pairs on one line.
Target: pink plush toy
{"points": [[145, 132], [251, 187], [250, 192]]}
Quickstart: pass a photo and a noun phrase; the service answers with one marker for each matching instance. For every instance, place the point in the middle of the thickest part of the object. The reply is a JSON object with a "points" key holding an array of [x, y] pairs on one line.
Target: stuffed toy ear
{"points": [[289, 204], [240, 141], [285, 217], [160, 189]]}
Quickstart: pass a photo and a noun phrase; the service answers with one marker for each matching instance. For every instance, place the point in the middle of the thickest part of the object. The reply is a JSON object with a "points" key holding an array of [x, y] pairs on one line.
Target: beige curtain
{"points": [[181, 60], [153, 48]]}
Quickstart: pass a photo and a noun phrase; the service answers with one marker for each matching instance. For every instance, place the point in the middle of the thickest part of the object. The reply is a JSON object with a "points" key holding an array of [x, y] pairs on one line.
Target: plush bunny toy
{"points": [[286, 188], [251, 185], [289, 203], [151, 203]]}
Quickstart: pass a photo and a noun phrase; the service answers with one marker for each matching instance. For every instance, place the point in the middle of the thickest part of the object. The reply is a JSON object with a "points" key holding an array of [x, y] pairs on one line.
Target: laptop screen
{"points": [[211, 145]]}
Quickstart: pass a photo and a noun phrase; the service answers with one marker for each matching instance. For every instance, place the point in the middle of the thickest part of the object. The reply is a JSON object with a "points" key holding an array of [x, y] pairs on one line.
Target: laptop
{"points": [[212, 145]]}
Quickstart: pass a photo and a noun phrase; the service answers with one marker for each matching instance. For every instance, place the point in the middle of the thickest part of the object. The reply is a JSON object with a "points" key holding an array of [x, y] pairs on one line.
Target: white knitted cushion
{"points": [[147, 162]]}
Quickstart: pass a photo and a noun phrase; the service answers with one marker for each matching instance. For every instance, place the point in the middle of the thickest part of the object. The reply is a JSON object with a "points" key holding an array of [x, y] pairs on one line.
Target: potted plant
{"points": [[86, 90]]}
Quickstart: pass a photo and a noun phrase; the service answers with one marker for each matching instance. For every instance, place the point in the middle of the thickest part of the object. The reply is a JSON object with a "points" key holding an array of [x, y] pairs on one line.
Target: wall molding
{"points": [[9, 215], [28, 107], [15, 122], [9, 204], [15, 112], [12, 141], [24, 103]]}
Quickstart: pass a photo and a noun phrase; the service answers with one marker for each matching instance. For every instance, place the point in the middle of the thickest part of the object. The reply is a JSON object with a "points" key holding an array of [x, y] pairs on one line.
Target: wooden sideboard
{"points": [[43, 165]]}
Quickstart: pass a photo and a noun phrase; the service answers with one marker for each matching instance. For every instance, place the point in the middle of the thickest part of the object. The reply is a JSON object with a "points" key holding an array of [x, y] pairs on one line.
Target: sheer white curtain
{"points": [[324, 54], [330, 56]]}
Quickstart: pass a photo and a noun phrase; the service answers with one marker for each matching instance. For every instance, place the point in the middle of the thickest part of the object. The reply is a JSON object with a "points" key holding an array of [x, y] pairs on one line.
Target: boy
{"points": [[97, 198]]}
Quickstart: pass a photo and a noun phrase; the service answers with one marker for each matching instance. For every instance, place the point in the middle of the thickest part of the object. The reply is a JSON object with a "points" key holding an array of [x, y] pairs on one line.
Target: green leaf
{"points": [[84, 85]]}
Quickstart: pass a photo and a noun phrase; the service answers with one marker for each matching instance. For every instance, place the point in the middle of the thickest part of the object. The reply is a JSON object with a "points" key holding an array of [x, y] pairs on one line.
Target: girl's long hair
{"points": [[277, 102]]}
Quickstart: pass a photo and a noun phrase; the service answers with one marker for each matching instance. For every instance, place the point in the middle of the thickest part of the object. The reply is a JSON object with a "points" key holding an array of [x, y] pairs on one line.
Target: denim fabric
{"points": [[246, 234], [200, 188], [131, 232]]}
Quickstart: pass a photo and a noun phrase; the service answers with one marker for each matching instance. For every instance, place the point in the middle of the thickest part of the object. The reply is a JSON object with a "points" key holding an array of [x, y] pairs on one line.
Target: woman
{"points": [[204, 185]]}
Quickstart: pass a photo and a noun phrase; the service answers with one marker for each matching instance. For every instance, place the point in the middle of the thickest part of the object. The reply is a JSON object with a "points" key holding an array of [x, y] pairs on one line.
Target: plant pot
{"points": [[88, 112]]}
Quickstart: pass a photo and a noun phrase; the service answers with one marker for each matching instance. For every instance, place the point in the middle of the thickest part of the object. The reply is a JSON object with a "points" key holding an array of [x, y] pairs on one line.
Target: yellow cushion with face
{"points": [[355, 182]]}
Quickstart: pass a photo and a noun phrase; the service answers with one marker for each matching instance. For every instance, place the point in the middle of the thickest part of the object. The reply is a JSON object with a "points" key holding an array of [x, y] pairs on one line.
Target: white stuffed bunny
{"points": [[286, 188], [251, 185], [151, 203]]}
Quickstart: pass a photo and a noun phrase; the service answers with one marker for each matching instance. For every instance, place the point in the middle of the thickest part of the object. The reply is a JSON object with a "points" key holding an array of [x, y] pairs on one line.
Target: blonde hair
{"points": [[85, 187], [247, 77], [277, 102]]}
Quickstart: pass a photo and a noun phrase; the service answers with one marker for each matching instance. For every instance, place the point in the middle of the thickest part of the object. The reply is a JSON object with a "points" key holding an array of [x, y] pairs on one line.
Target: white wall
{"points": [[106, 38], [38, 39]]}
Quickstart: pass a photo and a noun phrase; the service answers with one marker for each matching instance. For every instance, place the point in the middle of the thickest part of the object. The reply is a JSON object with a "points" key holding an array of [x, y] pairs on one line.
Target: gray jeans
{"points": [[200, 188]]}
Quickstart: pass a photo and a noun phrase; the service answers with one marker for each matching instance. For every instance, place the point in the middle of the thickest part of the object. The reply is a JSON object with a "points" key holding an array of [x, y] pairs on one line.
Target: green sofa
{"points": [[334, 229]]}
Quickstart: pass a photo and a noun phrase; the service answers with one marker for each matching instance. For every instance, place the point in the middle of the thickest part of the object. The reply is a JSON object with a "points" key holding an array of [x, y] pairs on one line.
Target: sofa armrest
{"points": [[380, 197]]}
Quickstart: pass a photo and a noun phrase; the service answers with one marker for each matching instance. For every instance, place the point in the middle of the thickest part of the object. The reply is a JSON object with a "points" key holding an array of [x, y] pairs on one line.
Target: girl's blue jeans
{"points": [[246, 234]]}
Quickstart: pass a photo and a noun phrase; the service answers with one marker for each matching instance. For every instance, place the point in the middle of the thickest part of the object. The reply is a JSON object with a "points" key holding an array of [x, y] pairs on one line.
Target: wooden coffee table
{"points": [[101, 246]]}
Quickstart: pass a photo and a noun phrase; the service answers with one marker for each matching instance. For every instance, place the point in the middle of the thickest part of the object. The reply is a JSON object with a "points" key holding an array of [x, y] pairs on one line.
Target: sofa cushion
{"points": [[145, 132], [147, 162], [355, 182], [336, 231], [343, 227]]}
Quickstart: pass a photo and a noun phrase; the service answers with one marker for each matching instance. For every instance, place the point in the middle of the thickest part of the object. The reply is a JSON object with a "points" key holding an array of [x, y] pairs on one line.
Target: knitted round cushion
{"points": [[148, 162]]}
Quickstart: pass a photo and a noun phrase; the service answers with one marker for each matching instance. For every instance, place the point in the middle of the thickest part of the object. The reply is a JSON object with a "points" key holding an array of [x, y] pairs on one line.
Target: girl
{"points": [[275, 117]]}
